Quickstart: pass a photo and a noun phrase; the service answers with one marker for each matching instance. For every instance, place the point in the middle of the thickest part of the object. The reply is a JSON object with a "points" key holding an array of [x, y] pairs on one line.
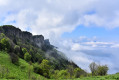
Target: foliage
{"points": [[20, 46], [5, 45], [98, 69], [39, 57], [14, 58], [93, 67], [102, 70], [16, 49], [78, 72], [27, 56], [37, 69], [14, 72], [45, 67], [24, 50], [70, 70], [63, 74]]}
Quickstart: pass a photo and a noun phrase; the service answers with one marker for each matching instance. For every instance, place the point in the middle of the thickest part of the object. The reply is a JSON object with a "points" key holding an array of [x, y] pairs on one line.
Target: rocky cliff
{"points": [[13, 32], [36, 44]]}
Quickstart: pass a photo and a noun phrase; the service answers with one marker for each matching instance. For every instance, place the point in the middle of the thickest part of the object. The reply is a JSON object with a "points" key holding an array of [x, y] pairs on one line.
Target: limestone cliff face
{"points": [[11, 32]]}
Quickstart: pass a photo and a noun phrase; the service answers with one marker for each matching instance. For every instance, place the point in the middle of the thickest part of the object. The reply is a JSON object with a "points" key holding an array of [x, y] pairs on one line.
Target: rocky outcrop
{"points": [[13, 32]]}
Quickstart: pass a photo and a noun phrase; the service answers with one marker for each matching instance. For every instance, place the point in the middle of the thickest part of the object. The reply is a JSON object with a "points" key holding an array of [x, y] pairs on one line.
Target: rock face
{"points": [[13, 32]]}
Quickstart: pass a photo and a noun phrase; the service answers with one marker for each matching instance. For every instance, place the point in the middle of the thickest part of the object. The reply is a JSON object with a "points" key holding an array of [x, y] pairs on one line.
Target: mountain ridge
{"points": [[38, 41], [38, 52]]}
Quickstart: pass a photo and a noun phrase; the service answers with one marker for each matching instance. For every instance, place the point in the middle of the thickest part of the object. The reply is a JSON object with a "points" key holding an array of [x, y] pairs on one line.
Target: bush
{"points": [[5, 45], [24, 50], [14, 58], [102, 70], [4, 72], [63, 74], [98, 69], [16, 49], [27, 56], [37, 69], [78, 72]]}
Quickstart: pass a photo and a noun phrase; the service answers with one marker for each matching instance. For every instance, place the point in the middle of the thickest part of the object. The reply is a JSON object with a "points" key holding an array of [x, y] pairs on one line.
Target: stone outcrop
{"points": [[13, 32]]}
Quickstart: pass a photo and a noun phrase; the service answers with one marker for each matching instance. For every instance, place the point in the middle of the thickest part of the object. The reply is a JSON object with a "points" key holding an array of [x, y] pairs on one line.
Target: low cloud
{"points": [[84, 52]]}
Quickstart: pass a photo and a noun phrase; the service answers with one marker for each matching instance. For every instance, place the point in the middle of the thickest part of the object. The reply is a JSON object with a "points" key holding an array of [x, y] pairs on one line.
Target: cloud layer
{"points": [[87, 51], [52, 18], [59, 16]]}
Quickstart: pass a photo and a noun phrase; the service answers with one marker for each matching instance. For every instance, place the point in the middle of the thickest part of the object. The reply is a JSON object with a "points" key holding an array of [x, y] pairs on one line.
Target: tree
{"points": [[45, 67], [24, 50], [5, 45], [93, 67], [79, 72], [16, 49], [102, 70], [0, 46], [70, 70], [37, 69], [98, 69], [27, 56], [63, 74], [14, 58]]}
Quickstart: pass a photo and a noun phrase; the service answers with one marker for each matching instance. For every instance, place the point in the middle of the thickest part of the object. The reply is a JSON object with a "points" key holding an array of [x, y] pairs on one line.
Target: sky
{"points": [[84, 30]]}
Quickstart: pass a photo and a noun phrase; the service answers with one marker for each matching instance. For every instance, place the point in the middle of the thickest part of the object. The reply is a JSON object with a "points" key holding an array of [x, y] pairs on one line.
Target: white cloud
{"points": [[54, 17], [59, 16], [3, 2], [84, 52]]}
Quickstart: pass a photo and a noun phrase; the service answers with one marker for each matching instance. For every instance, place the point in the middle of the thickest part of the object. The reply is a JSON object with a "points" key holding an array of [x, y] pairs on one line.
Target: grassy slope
{"points": [[16, 71], [22, 74], [108, 77]]}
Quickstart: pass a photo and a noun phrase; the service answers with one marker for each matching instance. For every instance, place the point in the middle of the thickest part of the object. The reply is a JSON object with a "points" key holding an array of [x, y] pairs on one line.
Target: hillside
{"points": [[11, 71], [36, 43], [38, 53]]}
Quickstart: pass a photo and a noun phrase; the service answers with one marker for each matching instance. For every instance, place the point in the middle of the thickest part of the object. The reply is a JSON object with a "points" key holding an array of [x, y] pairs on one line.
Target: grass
{"points": [[108, 77], [17, 72], [21, 72]]}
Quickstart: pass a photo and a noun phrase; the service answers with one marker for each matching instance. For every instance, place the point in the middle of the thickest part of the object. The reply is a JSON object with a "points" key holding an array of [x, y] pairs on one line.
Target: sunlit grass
{"points": [[15, 71]]}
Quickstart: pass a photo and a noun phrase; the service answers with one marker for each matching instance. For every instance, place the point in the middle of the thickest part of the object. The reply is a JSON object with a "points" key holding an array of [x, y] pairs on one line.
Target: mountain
{"points": [[34, 49]]}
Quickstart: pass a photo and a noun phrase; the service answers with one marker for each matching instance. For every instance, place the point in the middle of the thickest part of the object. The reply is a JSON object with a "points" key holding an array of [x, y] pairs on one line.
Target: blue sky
{"points": [[100, 32], [84, 30]]}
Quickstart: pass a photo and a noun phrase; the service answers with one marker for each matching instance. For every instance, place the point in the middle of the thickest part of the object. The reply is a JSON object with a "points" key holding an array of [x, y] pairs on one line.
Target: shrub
{"points": [[22, 67], [45, 67], [4, 72], [16, 49], [5, 45], [24, 50], [70, 70], [98, 69], [27, 56], [37, 69], [102, 70], [78, 72], [14, 58], [63, 74]]}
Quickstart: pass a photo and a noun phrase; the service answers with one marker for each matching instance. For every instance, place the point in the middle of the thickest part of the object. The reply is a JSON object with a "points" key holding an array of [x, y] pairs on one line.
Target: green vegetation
{"points": [[22, 59], [11, 71], [27, 56], [98, 69], [4, 43]]}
